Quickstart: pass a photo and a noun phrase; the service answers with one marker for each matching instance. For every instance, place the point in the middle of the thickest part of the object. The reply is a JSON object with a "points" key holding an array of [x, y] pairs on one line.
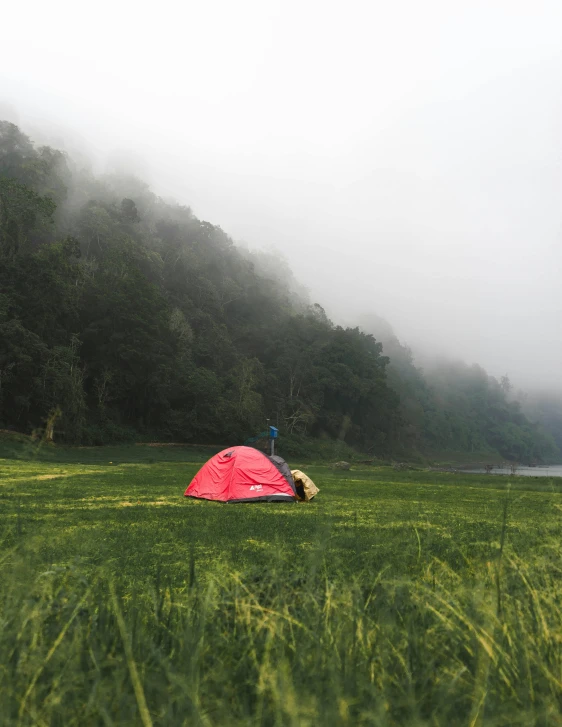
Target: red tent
{"points": [[243, 474]]}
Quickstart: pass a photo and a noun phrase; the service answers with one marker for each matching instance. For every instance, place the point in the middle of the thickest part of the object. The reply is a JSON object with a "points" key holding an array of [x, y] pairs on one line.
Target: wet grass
{"points": [[395, 598]]}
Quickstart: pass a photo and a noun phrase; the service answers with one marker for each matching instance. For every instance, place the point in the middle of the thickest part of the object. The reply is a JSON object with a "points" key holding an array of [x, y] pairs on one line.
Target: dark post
{"points": [[272, 437]]}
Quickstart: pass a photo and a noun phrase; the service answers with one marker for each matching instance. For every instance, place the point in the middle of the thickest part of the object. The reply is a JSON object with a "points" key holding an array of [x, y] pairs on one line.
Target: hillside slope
{"points": [[123, 316]]}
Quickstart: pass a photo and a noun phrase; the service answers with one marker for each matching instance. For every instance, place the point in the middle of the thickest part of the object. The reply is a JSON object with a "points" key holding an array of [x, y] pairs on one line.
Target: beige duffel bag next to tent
{"points": [[306, 489]]}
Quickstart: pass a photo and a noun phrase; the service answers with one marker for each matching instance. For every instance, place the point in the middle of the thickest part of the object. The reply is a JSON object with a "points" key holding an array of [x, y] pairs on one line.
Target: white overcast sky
{"points": [[405, 156]]}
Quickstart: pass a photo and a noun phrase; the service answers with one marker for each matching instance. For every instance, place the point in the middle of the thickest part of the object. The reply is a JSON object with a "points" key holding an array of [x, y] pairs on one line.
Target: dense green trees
{"points": [[126, 313], [456, 407], [131, 317]]}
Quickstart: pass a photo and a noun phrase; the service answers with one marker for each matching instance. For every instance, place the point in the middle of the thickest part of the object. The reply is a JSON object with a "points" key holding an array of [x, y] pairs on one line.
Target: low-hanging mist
{"points": [[404, 157], [126, 317]]}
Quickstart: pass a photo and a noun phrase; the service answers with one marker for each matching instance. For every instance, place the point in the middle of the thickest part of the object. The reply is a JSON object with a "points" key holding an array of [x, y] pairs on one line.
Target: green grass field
{"points": [[395, 598]]}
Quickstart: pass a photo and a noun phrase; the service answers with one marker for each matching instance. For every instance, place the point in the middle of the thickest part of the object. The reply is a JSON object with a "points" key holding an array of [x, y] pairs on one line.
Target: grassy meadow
{"points": [[395, 598]]}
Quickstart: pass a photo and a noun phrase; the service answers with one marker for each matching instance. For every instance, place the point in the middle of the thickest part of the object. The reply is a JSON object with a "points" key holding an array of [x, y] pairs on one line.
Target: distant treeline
{"points": [[452, 406], [128, 317]]}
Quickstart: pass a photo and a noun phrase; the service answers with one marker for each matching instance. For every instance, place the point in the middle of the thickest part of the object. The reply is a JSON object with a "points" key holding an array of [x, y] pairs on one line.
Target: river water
{"points": [[553, 470]]}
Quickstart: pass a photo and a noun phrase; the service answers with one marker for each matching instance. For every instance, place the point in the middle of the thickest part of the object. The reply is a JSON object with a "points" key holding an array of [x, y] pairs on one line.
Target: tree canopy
{"points": [[134, 318]]}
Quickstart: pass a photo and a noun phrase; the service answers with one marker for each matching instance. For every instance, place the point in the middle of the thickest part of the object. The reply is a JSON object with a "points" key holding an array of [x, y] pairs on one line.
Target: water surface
{"points": [[553, 470]]}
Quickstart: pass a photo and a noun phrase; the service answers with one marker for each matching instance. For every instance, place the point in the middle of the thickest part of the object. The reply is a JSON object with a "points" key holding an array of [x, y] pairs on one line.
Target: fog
{"points": [[404, 157]]}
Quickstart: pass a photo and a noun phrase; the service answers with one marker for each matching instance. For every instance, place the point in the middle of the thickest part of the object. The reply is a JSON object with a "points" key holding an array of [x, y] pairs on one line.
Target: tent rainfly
{"points": [[244, 474]]}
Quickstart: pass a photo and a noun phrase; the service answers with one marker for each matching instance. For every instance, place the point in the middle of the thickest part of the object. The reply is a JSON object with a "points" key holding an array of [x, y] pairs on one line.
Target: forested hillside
{"points": [[129, 318], [545, 408], [133, 317], [451, 406]]}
